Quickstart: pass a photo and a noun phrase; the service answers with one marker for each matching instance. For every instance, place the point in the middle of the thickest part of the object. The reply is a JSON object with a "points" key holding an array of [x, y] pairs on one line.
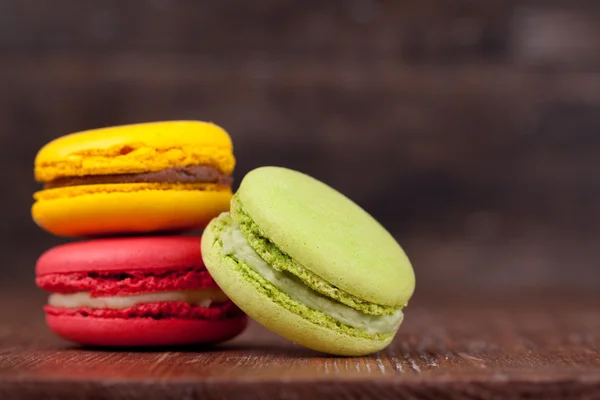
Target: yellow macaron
{"points": [[141, 178]]}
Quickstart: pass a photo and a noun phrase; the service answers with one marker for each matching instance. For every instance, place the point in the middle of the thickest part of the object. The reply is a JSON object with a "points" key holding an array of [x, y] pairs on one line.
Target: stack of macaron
{"points": [[288, 250], [126, 194]]}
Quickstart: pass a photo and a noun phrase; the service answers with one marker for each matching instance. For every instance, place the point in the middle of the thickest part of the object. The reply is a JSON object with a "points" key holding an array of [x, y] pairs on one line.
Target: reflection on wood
{"points": [[518, 346]]}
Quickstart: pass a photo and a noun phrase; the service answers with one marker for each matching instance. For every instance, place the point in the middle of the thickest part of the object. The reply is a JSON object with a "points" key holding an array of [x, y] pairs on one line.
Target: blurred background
{"points": [[471, 129]]}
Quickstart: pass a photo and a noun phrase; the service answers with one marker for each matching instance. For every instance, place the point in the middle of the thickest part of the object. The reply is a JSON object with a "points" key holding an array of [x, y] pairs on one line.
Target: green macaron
{"points": [[309, 264]]}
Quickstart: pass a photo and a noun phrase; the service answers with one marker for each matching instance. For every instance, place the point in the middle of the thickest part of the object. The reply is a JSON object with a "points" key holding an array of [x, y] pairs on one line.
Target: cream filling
{"points": [[200, 298], [235, 243]]}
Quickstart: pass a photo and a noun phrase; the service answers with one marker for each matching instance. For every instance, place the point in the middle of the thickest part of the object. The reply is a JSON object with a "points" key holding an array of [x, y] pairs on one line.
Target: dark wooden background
{"points": [[471, 129]]}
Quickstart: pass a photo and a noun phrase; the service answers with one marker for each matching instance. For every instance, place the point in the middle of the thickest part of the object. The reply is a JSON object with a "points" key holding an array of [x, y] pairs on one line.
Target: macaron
{"points": [[135, 291], [133, 179], [309, 264]]}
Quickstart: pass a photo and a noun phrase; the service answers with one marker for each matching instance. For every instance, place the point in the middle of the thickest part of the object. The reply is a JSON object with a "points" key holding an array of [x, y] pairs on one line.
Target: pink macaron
{"points": [[138, 291]]}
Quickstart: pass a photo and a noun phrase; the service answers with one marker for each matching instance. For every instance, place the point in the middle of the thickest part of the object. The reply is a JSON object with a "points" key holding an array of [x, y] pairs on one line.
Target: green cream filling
{"points": [[235, 244]]}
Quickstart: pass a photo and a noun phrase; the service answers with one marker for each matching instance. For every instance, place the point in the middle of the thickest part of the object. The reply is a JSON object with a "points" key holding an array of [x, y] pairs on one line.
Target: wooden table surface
{"points": [[474, 346]]}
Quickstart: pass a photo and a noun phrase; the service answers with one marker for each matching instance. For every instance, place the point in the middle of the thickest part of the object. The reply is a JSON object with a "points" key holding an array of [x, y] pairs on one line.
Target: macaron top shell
{"points": [[135, 148], [122, 254], [327, 234]]}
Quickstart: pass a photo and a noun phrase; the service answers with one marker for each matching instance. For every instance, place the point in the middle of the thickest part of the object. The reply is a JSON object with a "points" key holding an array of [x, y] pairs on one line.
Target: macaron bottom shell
{"points": [[102, 210], [143, 332], [262, 305]]}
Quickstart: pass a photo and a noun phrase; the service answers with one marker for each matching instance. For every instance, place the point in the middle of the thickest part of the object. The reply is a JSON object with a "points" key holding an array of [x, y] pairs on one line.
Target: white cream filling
{"points": [[235, 243], [200, 298]]}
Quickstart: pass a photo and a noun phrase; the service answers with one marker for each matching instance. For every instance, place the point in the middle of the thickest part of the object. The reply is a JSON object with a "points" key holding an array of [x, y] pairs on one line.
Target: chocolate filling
{"points": [[191, 174]]}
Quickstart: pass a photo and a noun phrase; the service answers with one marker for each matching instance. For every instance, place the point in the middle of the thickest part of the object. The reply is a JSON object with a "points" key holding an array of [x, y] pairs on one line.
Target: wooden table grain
{"points": [[452, 346]]}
